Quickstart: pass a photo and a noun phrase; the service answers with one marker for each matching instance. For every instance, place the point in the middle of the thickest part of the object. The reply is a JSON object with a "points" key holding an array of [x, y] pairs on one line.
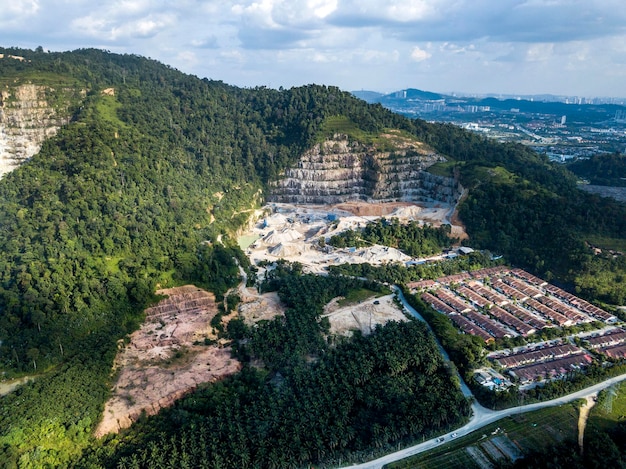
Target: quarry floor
{"points": [[292, 232]]}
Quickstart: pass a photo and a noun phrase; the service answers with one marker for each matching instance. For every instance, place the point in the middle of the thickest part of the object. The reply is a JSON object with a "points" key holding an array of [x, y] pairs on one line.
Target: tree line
{"points": [[412, 238], [316, 399]]}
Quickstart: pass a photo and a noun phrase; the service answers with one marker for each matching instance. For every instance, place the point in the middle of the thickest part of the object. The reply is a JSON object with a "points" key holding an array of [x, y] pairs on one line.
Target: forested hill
{"points": [[153, 163], [126, 192], [120, 199]]}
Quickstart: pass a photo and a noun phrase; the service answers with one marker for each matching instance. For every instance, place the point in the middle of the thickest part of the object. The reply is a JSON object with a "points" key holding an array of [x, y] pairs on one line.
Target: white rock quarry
{"points": [[337, 171], [26, 120]]}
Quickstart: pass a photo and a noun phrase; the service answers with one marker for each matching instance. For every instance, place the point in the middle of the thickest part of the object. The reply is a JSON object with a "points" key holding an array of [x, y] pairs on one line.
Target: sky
{"points": [[562, 47]]}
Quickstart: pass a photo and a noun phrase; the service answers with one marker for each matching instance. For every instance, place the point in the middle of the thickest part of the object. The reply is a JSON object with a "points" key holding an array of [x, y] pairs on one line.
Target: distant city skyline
{"points": [[517, 47], [570, 99]]}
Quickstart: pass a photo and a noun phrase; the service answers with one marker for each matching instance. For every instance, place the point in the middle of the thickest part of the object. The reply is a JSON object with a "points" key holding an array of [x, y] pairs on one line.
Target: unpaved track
{"points": [[582, 419]]}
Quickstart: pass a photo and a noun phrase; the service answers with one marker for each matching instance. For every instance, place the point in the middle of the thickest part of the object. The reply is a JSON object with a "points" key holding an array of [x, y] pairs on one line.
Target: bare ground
{"points": [[582, 420], [293, 232], [257, 307], [363, 316], [9, 386], [166, 358], [373, 210]]}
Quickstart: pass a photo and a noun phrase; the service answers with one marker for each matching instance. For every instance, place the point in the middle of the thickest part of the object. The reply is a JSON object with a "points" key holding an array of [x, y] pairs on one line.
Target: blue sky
{"points": [[574, 47]]}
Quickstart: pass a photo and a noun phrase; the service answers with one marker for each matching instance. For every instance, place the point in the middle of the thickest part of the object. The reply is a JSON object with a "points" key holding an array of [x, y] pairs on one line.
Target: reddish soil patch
{"points": [[166, 358], [365, 209]]}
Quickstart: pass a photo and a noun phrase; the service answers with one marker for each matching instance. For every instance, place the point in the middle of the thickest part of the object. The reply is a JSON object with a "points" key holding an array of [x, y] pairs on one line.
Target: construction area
{"points": [[363, 316], [173, 352], [293, 232], [176, 349]]}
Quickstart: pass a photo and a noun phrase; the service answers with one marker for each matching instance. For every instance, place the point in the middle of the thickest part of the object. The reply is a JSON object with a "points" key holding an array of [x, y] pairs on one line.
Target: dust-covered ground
{"points": [[363, 316], [175, 349], [293, 232]]}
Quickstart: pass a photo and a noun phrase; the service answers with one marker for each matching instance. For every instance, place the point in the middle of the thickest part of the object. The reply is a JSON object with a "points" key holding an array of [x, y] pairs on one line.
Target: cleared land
{"points": [[10, 385], [173, 351], [166, 358], [363, 316], [255, 307], [292, 232]]}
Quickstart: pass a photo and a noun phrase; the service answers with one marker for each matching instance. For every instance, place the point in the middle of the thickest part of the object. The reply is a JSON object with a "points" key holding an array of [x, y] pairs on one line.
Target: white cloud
{"points": [[322, 8], [187, 58], [419, 55], [112, 29], [409, 10], [14, 12], [539, 52], [210, 42], [379, 56], [463, 44]]}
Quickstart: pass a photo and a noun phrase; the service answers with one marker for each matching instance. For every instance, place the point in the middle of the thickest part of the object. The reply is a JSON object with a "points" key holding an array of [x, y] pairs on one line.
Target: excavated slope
{"points": [[27, 118], [340, 170]]}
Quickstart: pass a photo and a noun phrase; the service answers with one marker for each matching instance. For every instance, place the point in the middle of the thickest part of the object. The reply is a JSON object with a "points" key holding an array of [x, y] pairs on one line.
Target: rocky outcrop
{"points": [[339, 170], [29, 114]]}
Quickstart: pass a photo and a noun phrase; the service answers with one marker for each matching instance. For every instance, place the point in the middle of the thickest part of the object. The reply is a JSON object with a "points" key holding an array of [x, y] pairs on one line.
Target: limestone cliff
{"points": [[29, 114], [340, 170]]}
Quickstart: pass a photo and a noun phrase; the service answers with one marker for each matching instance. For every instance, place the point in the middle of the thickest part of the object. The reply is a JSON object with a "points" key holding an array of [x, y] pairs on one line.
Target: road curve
{"points": [[481, 416], [486, 417]]}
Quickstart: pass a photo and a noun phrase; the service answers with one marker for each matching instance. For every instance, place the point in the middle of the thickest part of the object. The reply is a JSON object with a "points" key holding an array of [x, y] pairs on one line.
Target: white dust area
{"points": [[292, 232]]}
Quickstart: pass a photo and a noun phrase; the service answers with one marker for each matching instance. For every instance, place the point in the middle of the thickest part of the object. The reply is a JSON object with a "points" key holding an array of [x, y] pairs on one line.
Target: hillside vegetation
{"points": [[146, 185], [603, 170]]}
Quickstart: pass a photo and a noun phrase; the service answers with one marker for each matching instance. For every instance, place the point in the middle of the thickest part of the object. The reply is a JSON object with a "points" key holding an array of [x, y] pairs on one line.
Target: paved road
{"points": [[486, 417], [481, 416], [464, 388]]}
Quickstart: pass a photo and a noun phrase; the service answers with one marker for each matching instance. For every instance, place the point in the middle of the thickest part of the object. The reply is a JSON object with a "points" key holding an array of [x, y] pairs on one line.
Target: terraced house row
{"points": [[501, 302], [612, 344], [543, 361]]}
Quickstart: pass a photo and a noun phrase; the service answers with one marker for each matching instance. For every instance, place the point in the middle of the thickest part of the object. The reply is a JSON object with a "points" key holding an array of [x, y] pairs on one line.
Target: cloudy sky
{"points": [[569, 47]]}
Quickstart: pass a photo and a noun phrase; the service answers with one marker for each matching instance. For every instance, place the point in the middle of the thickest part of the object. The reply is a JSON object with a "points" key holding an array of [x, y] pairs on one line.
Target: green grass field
{"points": [[107, 107], [357, 296], [39, 77], [444, 169], [617, 244], [521, 433], [389, 140]]}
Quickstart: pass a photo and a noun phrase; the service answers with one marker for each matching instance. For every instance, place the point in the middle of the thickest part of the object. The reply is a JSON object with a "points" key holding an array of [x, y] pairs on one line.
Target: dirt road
{"points": [[582, 419]]}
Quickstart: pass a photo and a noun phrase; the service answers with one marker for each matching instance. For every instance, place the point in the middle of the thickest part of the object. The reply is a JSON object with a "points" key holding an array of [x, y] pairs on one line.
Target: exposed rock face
{"points": [[27, 118], [339, 170]]}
